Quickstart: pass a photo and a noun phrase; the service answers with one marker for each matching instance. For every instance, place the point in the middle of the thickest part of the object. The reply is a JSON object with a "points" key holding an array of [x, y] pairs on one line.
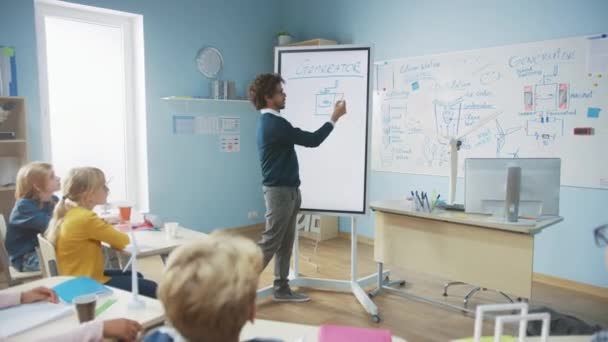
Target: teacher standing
{"points": [[276, 139]]}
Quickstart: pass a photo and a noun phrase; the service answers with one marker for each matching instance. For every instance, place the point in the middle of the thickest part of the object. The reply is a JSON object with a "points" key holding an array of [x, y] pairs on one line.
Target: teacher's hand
{"points": [[339, 111]]}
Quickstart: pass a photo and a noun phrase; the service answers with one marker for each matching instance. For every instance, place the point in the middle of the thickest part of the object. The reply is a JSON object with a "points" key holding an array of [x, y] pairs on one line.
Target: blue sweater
{"points": [[276, 138], [28, 218]]}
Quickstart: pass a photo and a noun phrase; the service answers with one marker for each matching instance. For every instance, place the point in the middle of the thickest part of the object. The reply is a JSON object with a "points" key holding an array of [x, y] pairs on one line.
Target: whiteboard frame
{"points": [[346, 47]]}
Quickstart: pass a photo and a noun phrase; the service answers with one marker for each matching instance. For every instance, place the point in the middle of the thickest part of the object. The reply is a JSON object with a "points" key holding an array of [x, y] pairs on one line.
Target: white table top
{"points": [[154, 242], [152, 315], [403, 207], [288, 332]]}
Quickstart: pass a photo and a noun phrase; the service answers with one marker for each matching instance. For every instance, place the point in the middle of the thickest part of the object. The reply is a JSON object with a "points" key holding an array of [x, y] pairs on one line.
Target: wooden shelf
{"points": [[314, 42], [13, 148], [197, 99], [13, 141]]}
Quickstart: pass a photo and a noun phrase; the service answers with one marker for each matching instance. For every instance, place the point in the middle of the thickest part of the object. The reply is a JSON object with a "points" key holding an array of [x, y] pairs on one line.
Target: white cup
{"points": [[171, 229]]}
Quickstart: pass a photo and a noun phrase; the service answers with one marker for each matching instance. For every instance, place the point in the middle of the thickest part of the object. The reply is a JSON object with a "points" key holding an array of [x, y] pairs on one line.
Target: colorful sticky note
{"points": [[593, 112], [415, 86], [8, 51]]}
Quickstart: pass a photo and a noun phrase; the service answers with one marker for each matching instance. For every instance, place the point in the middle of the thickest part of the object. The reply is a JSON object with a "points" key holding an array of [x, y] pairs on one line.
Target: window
{"points": [[92, 94]]}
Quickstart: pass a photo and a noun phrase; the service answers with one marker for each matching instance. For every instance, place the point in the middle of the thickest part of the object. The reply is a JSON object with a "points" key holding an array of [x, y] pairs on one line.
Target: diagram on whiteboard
{"points": [[518, 101], [326, 99]]}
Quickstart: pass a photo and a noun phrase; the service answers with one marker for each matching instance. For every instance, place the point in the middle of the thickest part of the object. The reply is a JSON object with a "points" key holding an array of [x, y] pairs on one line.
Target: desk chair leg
{"points": [[477, 289], [164, 257], [471, 294], [506, 296], [451, 283]]}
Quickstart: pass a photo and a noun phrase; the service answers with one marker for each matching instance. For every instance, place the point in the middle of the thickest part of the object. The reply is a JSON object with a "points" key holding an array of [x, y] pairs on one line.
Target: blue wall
{"points": [[400, 28], [200, 195], [174, 31]]}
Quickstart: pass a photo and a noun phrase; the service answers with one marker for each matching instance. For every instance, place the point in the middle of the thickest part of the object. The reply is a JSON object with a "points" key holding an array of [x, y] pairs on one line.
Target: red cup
{"points": [[125, 213]]}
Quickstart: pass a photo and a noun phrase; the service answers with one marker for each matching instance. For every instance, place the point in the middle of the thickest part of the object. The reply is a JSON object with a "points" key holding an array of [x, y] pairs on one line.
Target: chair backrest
{"points": [[49, 258], [2, 227], [5, 266]]}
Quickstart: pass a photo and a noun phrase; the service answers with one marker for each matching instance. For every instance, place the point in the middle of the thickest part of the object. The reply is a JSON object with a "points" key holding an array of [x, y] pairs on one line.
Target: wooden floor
{"points": [[409, 319]]}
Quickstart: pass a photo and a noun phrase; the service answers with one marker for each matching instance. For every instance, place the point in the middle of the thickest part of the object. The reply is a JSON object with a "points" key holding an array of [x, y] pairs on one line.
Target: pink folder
{"points": [[336, 333]]}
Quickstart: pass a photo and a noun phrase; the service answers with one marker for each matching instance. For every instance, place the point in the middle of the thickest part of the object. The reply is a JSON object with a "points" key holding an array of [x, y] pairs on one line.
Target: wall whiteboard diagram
{"points": [[539, 91]]}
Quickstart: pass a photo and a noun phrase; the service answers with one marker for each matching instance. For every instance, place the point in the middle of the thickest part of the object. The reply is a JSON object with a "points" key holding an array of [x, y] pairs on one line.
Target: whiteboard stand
{"points": [[354, 285]]}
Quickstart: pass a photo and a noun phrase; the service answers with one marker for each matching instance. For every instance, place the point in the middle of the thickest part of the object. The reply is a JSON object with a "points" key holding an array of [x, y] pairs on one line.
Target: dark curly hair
{"points": [[263, 85]]}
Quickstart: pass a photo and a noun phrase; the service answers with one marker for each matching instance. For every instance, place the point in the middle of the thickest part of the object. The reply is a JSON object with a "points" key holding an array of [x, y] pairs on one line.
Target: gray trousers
{"points": [[282, 207]]}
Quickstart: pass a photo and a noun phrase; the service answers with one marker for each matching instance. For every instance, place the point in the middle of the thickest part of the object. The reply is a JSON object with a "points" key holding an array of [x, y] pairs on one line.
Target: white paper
{"points": [[140, 248], [20, 318], [597, 55], [230, 143], [206, 125], [183, 124], [231, 125]]}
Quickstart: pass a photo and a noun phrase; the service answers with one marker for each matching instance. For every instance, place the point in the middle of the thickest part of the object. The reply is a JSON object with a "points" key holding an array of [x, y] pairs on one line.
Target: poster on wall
{"points": [[8, 71]]}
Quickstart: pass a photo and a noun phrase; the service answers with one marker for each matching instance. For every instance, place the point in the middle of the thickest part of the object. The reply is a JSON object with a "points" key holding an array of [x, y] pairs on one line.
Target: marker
{"points": [[419, 200], [436, 201], [599, 37], [427, 203], [103, 307]]}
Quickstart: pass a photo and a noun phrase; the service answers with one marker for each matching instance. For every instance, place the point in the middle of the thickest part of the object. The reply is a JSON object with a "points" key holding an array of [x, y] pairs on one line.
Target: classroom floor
{"points": [[409, 319]]}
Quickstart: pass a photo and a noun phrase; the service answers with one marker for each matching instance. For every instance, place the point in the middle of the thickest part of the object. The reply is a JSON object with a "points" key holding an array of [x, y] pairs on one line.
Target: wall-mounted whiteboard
{"points": [[541, 92], [333, 175]]}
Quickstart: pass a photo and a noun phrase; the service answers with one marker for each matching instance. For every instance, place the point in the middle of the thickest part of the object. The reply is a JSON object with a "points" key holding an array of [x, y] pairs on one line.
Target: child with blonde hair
{"points": [[209, 289], [77, 232], [36, 183]]}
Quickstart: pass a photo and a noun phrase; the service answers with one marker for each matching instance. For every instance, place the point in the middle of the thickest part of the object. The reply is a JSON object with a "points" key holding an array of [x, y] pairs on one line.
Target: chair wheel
{"points": [[402, 283], [376, 318]]}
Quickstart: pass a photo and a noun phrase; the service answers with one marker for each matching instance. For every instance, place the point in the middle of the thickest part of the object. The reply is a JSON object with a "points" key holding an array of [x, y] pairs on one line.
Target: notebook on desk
{"points": [[70, 289], [21, 318]]}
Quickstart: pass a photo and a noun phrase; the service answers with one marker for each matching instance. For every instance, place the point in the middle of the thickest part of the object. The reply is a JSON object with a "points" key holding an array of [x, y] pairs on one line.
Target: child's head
{"points": [[209, 287], [36, 181], [84, 187]]}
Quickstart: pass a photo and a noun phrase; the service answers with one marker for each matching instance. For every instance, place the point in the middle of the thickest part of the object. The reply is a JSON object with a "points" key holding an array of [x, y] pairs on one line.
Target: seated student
{"points": [[209, 289], [77, 232], [36, 183], [94, 331], [601, 240]]}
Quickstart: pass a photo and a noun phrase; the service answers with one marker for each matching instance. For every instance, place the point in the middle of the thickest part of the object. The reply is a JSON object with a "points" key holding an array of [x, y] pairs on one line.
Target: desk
{"points": [[288, 332], [151, 316], [475, 249], [154, 242]]}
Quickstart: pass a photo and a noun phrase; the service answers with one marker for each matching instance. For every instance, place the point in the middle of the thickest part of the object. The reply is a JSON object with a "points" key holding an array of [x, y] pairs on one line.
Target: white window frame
{"points": [[136, 141]]}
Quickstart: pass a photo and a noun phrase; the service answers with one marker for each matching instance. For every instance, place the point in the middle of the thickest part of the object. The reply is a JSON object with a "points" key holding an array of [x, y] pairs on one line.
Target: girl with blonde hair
{"points": [[36, 183], [77, 232]]}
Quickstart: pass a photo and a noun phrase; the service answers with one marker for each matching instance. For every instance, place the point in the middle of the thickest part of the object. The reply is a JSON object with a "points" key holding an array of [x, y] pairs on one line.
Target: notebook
{"points": [[80, 286], [336, 333], [17, 319]]}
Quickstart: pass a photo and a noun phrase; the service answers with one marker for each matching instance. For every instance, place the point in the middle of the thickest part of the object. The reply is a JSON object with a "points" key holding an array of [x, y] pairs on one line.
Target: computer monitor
{"points": [[486, 183]]}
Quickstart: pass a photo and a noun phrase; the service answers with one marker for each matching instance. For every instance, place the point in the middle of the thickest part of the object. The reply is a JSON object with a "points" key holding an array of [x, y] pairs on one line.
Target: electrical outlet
{"points": [[252, 215]]}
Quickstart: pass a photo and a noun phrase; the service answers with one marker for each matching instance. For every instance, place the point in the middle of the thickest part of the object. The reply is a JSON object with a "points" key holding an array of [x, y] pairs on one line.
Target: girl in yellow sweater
{"points": [[77, 232]]}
